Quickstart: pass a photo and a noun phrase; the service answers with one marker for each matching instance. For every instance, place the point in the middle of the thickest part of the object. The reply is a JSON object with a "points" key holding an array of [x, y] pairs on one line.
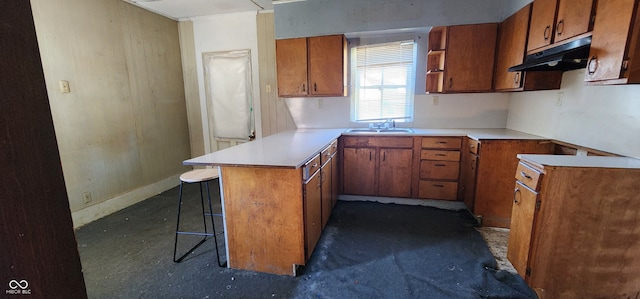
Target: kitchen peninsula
{"points": [[278, 191]]}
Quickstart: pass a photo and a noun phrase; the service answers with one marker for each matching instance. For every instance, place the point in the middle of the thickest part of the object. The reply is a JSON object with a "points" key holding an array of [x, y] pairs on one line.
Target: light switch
{"points": [[64, 86]]}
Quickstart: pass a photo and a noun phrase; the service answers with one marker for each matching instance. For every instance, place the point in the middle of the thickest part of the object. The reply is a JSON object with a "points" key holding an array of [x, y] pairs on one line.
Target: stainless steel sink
{"points": [[396, 130], [385, 130]]}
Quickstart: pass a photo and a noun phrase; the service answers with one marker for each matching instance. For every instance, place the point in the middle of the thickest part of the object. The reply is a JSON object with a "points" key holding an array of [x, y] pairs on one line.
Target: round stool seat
{"points": [[199, 175]]}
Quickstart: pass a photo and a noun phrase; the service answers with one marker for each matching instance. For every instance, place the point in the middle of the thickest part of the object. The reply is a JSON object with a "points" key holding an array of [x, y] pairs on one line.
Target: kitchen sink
{"points": [[381, 130]]}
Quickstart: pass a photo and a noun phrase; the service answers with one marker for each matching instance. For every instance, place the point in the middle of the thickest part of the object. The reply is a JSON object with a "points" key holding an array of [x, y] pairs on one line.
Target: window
{"points": [[383, 78]]}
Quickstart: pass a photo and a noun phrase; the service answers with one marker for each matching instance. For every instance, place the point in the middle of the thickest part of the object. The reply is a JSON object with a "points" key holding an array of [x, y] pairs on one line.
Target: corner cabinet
{"points": [[575, 232], [311, 66], [461, 58], [555, 21], [615, 44], [510, 51], [487, 176]]}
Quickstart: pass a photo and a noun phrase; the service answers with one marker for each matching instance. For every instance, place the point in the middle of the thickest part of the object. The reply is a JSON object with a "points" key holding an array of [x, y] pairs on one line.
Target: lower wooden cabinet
{"points": [[439, 167], [377, 166], [488, 167], [312, 212], [574, 227]]}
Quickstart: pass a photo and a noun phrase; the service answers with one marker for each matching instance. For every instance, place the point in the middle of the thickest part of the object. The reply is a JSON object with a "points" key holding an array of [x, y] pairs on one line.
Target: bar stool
{"points": [[198, 176]]}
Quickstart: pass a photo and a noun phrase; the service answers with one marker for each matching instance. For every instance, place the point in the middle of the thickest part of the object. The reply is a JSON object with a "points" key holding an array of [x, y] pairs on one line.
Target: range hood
{"points": [[569, 56]]}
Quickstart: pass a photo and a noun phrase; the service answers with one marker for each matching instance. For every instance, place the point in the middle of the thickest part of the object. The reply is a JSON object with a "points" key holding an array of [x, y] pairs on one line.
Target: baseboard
{"points": [[441, 204], [107, 207]]}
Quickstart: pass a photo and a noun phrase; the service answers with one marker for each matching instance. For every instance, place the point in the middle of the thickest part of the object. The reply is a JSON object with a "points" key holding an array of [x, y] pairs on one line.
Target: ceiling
{"points": [[183, 9]]}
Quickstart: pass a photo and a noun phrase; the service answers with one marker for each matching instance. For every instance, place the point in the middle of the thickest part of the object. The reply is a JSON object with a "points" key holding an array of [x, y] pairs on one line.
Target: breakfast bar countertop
{"points": [[290, 149]]}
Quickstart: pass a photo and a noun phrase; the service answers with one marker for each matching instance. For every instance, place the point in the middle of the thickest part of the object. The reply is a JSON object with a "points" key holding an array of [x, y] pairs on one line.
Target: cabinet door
{"points": [[335, 185], [574, 18], [512, 38], [325, 174], [312, 212], [469, 58], [326, 65], [523, 212], [359, 171], [469, 166], [609, 40], [394, 177], [542, 24], [291, 66]]}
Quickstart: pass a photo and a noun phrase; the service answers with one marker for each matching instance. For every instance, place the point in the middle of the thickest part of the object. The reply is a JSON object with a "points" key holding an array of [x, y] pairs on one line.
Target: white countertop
{"points": [[582, 161], [291, 149]]}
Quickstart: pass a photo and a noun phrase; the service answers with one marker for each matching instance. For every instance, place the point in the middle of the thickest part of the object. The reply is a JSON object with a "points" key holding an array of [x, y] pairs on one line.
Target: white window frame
{"points": [[408, 115]]}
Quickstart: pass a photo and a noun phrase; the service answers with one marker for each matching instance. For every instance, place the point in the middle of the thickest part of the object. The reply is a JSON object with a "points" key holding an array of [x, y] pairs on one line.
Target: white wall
{"points": [[601, 117], [486, 110], [227, 32]]}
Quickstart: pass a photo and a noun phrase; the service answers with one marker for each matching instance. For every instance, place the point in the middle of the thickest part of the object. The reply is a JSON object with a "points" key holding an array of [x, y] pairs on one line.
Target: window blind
{"points": [[383, 76]]}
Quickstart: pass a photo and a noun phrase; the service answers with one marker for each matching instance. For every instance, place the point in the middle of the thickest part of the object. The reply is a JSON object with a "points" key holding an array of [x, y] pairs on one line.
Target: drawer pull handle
{"points": [[515, 197], [314, 165], [547, 32], [442, 142], [439, 186], [440, 165], [524, 175], [441, 155]]}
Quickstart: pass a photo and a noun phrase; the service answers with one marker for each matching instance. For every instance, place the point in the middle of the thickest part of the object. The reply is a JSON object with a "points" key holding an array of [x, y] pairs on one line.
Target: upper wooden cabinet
{"points": [[553, 21], [615, 46], [463, 58], [512, 40], [313, 66]]}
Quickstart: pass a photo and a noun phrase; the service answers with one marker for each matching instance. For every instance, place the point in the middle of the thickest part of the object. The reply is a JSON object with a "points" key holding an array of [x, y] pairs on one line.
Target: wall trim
{"points": [[110, 206]]}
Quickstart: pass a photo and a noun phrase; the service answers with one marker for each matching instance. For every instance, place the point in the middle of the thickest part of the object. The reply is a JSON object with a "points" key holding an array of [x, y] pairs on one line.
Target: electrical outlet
{"points": [[559, 98], [86, 197], [435, 100], [64, 86]]}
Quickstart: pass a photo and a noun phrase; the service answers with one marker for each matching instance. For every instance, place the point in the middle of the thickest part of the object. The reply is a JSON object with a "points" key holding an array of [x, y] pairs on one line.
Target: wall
{"points": [[218, 33], [122, 131], [309, 18], [487, 110], [601, 117]]}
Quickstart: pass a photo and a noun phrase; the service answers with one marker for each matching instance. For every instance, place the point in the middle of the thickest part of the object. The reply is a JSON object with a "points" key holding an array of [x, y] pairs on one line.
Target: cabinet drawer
{"points": [[391, 142], [440, 155], [528, 176], [440, 170], [310, 167], [438, 190], [474, 146], [441, 142], [326, 154]]}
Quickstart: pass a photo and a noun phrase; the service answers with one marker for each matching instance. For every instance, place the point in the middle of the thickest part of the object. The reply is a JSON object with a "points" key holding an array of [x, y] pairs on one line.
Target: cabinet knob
{"points": [[547, 32], [592, 65], [560, 27]]}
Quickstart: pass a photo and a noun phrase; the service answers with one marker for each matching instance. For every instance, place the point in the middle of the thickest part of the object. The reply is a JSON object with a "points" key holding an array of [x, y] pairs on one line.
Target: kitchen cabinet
{"points": [[461, 58], [511, 50], [556, 21], [327, 181], [312, 66], [377, 166], [312, 211], [487, 182], [439, 167], [614, 55], [574, 231]]}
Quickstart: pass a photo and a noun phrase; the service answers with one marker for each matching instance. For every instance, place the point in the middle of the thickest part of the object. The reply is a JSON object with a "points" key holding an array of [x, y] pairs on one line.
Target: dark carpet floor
{"points": [[368, 250]]}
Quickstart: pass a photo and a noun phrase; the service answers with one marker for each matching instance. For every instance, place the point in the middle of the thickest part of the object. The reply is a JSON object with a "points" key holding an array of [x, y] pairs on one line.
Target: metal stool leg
{"points": [[178, 232], [213, 225]]}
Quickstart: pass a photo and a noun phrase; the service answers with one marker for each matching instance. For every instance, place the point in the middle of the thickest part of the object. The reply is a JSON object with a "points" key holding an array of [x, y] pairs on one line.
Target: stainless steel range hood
{"points": [[569, 56]]}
